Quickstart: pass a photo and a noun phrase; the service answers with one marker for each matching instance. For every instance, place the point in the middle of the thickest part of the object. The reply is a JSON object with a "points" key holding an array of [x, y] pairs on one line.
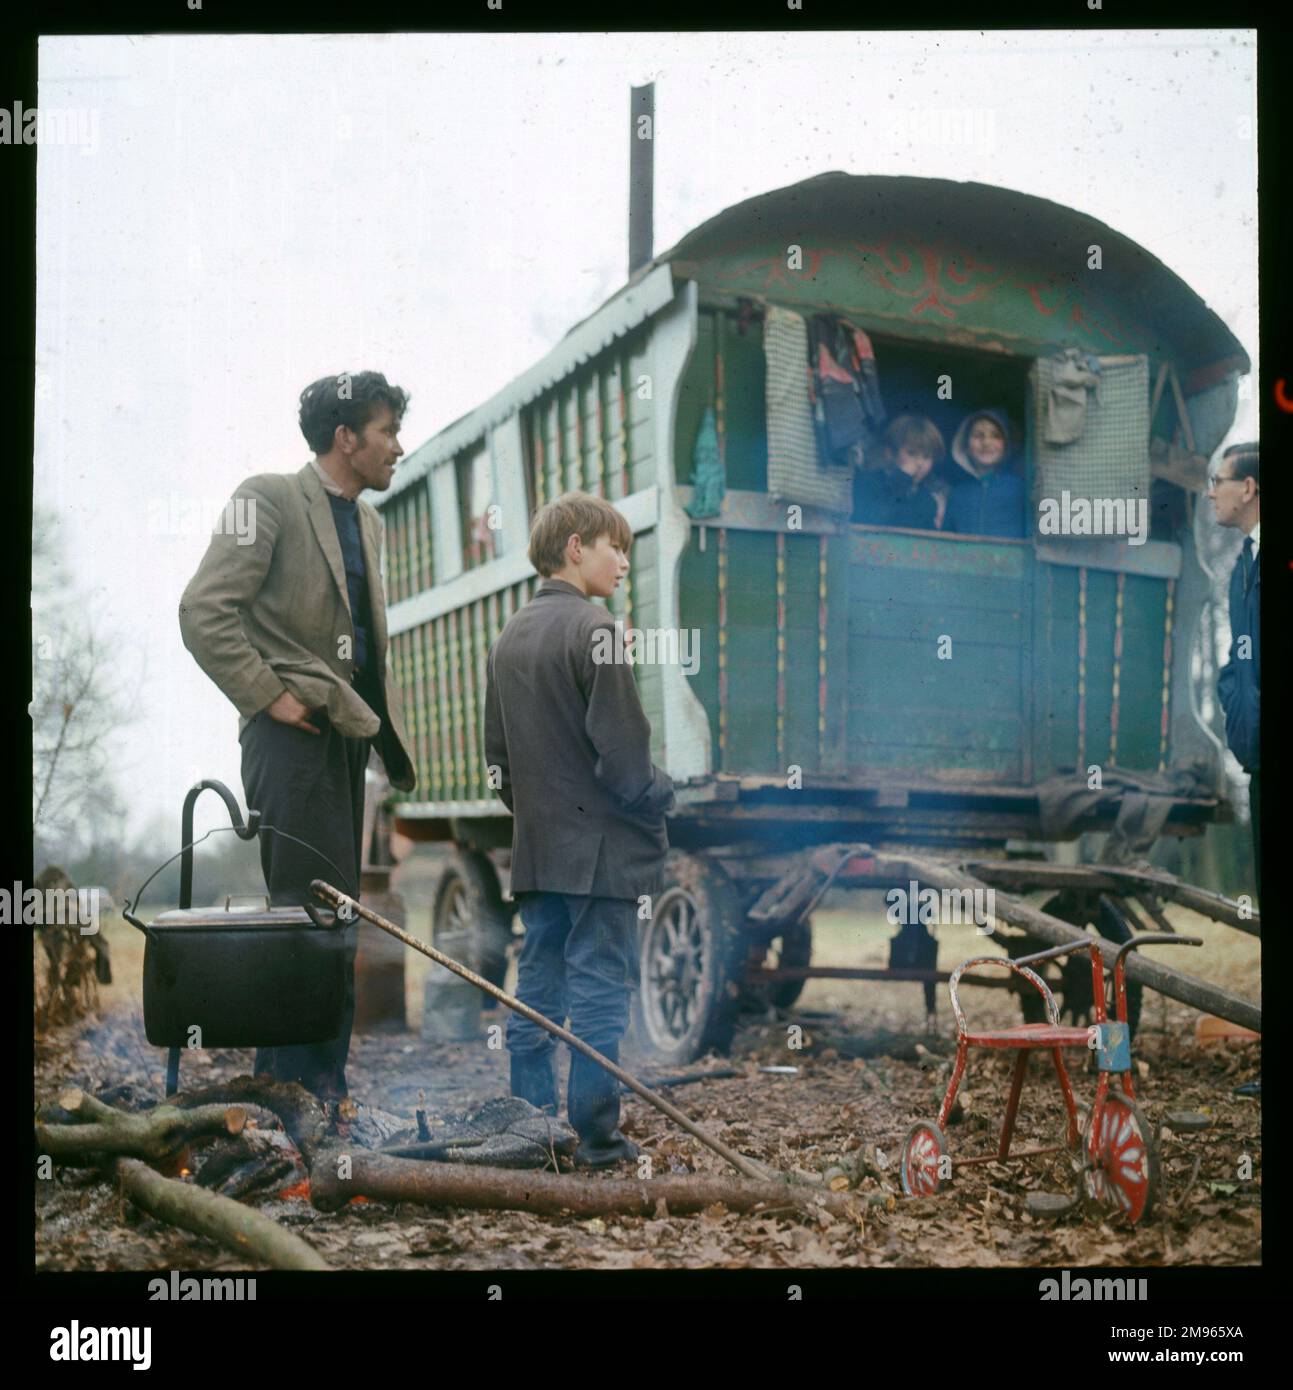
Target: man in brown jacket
{"points": [[289, 620], [569, 745]]}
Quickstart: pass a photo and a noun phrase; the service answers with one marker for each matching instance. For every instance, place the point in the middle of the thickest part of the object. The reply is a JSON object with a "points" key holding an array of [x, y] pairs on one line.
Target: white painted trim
{"points": [[686, 735]]}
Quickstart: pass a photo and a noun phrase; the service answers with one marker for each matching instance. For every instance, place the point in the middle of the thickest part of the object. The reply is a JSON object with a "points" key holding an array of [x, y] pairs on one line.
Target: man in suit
{"points": [[292, 628], [1235, 491], [569, 746]]}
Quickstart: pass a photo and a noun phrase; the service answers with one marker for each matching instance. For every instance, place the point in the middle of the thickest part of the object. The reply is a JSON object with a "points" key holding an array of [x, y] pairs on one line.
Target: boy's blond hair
{"points": [[573, 514]]}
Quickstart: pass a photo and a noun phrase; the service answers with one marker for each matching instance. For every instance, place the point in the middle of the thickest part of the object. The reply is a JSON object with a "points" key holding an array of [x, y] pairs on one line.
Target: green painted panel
{"points": [[923, 623], [751, 652], [1058, 601], [835, 752], [801, 652], [893, 673], [698, 608], [928, 553], [1141, 676], [1099, 664], [906, 278]]}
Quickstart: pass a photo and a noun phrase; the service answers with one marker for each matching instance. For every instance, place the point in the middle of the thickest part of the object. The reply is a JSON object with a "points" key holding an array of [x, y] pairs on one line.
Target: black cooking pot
{"points": [[244, 976]]}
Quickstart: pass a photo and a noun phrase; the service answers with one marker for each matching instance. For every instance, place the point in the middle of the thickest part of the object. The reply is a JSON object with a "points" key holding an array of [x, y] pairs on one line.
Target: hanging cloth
{"points": [[794, 470], [847, 408]]}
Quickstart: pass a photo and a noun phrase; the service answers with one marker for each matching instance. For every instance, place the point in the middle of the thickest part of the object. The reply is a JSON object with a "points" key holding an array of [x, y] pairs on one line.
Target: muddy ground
{"points": [[839, 1108]]}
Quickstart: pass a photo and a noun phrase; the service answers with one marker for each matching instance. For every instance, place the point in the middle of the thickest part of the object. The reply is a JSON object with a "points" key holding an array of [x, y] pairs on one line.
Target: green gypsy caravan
{"points": [[831, 696]]}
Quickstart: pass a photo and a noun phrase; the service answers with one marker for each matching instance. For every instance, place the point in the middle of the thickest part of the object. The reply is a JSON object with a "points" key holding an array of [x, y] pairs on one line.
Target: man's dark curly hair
{"points": [[350, 399]]}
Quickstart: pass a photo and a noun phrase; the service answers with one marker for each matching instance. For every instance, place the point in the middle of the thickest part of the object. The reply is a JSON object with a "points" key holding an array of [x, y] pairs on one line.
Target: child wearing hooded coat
{"points": [[989, 499]]}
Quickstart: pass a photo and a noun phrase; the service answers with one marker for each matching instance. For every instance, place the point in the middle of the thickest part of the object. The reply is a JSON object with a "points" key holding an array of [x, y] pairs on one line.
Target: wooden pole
{"points": [[325, 892], [1152, 973]]}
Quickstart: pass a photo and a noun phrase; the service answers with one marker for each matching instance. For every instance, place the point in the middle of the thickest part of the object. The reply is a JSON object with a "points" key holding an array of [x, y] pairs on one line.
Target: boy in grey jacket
{"points": [[568, 744]]}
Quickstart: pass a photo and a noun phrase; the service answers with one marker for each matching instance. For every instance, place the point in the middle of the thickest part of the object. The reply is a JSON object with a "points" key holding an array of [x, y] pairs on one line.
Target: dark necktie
{"points": [[1248, 563]]}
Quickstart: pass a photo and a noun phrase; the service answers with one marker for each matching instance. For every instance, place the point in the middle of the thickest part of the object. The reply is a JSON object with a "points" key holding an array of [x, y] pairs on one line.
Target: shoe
{"points": [[533, 1080], [593, 1103]]}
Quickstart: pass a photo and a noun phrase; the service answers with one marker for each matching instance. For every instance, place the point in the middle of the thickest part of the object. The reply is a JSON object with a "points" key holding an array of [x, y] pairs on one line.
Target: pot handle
{"points": [[243, 831], [321, 916]]}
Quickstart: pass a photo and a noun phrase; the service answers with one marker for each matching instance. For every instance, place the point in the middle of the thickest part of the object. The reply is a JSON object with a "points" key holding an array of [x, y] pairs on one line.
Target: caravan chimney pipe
{"points": [[641, 174]]}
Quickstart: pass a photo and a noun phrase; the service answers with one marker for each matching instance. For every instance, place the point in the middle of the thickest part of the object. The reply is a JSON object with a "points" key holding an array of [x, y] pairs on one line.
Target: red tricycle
{"points": [[1116, 1157]]}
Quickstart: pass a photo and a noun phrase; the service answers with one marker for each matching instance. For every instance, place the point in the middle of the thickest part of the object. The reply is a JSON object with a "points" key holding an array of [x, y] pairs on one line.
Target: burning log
{"points": [[254, 1160], [387, 1179], [155, 1134], [301, 1114], [238, 1228]]}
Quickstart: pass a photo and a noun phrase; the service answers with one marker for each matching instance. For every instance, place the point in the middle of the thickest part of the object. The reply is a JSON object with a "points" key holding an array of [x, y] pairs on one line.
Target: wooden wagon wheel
{"points": [[690, 953], [469, 919]]}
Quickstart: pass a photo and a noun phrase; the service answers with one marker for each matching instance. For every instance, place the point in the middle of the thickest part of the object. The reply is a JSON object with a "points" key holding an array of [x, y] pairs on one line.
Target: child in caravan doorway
{"points": [[899, 492], [989, 498]]}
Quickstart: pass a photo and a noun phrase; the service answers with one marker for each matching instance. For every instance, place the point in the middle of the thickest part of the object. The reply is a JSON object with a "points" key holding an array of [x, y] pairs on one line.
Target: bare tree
{"points": [[81, 697]]}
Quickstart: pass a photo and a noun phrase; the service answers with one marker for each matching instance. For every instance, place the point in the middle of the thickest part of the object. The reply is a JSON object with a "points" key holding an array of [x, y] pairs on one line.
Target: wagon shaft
{"points": [[1173, 983]]}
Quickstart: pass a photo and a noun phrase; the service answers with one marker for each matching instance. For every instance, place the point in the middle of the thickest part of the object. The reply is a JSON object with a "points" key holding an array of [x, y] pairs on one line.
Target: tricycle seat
{"points": [[1031, 1035]]}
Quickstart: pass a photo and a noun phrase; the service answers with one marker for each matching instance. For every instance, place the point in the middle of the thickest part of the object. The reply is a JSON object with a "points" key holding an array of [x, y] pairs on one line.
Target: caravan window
{"points": [[475, 499]]}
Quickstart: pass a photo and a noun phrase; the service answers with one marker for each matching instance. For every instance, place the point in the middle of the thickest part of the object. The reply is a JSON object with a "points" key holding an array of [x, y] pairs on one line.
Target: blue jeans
{"points": [[578, 960]]}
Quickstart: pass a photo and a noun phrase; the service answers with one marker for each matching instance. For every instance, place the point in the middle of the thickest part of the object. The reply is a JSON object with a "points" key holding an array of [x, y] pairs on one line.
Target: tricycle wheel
{"points": [[690, 953], [469, 920], [922, 1152], [1121, 1178]]}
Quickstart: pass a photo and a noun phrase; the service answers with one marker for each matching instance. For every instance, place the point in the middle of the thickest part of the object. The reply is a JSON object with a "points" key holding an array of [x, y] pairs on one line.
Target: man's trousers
{"points": [[312, 787]]}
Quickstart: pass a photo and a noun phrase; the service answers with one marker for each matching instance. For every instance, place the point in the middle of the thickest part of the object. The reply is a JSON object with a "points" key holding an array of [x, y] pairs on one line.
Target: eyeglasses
{"points": [[1215, 478]]}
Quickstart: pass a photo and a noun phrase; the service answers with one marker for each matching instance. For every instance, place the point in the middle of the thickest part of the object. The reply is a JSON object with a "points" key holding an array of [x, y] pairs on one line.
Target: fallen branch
{"points": [[238, 1228], [386, 1179], [155, 1134]]}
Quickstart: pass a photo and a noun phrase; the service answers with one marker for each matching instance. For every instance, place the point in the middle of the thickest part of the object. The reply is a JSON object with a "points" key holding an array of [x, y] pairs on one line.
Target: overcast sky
{"points": [[247, 214]]}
